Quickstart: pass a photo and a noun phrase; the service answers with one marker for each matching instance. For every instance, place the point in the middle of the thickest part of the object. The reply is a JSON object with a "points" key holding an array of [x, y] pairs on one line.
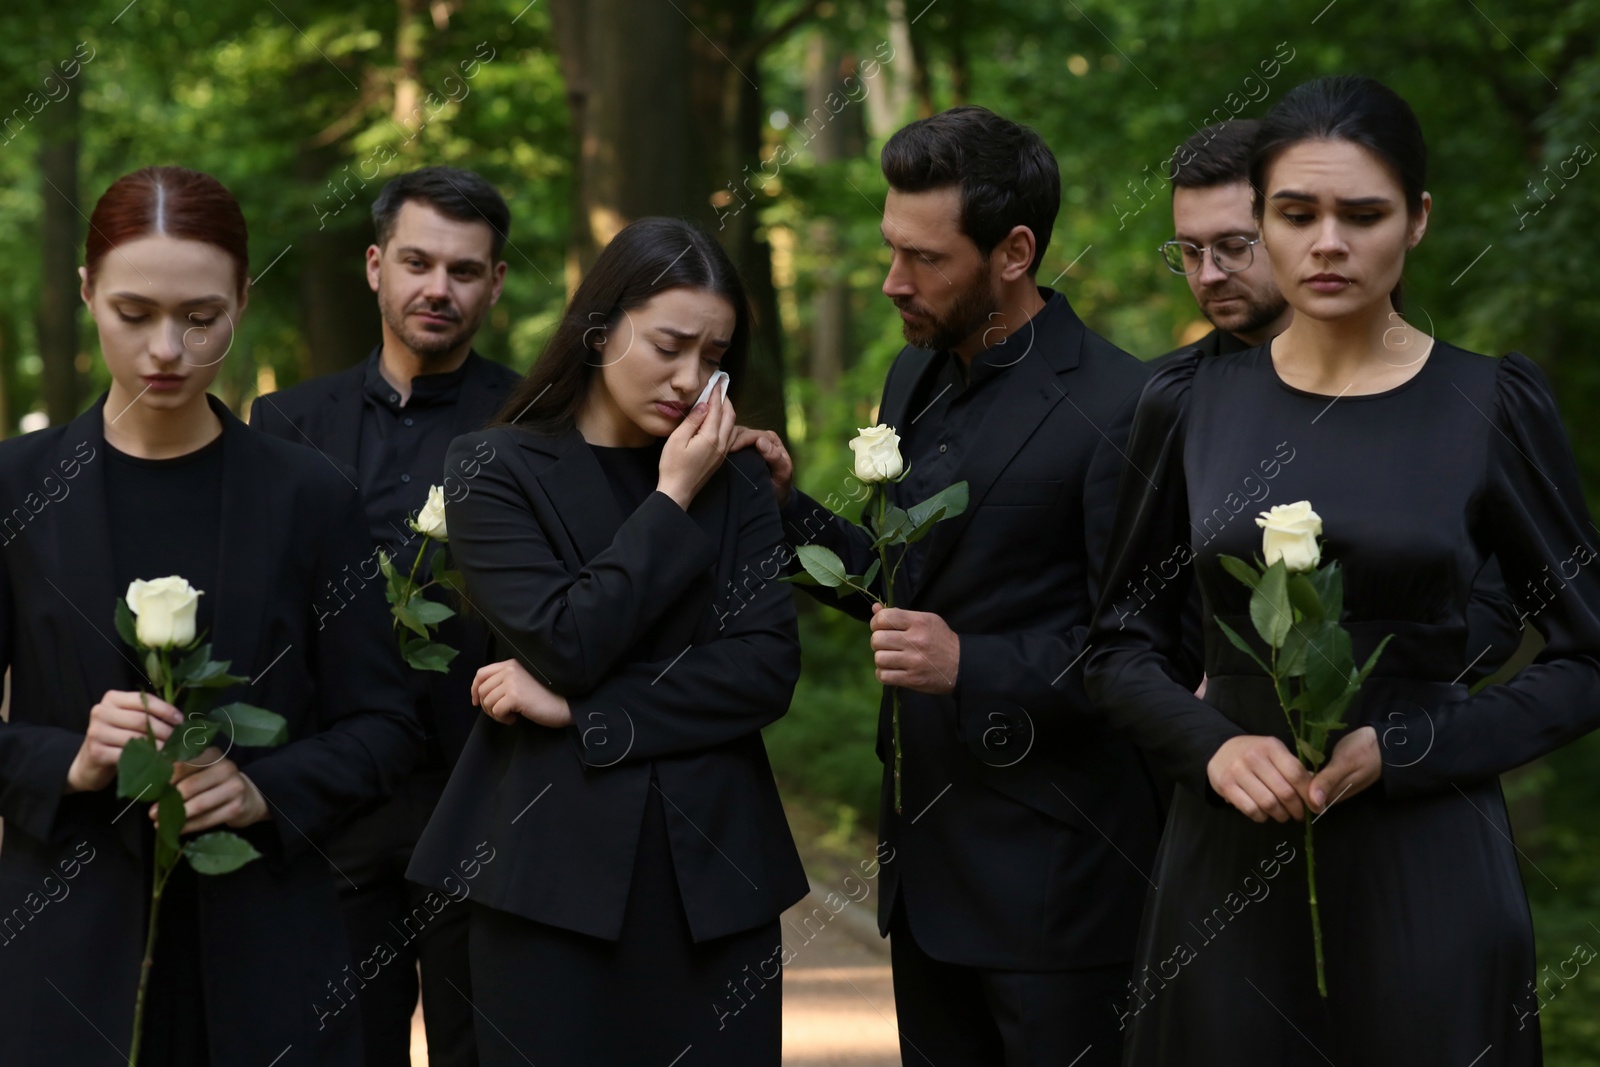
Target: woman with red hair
{"points": [[159, 478]]}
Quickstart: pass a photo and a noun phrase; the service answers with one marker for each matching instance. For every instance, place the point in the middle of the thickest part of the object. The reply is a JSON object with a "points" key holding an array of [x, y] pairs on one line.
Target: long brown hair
{"points": [[648, 257]]}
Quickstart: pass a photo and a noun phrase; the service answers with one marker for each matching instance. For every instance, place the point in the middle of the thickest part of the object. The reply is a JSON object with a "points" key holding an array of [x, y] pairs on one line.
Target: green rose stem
{"points": [[149, 763], [411, 579], [158, 876], [1311, 852], [822, 566]]}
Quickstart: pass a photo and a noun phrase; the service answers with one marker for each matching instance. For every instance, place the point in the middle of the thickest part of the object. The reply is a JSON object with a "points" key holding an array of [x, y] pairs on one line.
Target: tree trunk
{"points": [[830, 310], [60, 244], [566, 17], [663, 117], [338, 312]]}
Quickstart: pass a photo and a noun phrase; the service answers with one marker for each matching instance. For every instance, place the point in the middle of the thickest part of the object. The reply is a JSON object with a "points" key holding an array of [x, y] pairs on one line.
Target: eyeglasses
{"points": [[1231, 254]]}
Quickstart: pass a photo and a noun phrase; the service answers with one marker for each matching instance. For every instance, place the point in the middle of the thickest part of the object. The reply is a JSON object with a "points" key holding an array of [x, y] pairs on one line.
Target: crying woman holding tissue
{"points": [[625, 565]]}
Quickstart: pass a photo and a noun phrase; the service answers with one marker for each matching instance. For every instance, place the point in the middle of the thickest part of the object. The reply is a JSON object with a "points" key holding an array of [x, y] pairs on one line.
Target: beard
{"points": [[431, 344], [1254, 314], [972, 308]]}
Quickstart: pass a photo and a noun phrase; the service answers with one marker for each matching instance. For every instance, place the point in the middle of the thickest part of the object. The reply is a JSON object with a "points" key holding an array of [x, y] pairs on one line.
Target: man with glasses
{"points": [[1216, 245]]}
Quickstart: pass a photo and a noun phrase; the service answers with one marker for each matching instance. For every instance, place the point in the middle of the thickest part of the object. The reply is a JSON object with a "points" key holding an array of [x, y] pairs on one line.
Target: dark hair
{"points": [[1007, 174], [175, 201], [1345, 107], [1216, 155], [647, 257], [455, 193]]}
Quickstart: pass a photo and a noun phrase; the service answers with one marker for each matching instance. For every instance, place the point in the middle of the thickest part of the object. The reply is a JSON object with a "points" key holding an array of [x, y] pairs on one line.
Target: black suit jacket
{"points": [[326, 414], [671, 671], [273, 931], [1028, 827]]}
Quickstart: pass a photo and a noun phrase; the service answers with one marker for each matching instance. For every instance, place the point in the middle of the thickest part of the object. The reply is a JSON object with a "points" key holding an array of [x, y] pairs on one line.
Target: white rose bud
{"points": [[163, 611], [430, 520], [877, 450], [1291, 535]]}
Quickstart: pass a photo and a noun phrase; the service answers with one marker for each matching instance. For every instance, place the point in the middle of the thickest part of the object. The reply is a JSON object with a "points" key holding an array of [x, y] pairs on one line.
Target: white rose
{"points": [[163, 611], [1291, 535], [430, 520], [877, 450]]}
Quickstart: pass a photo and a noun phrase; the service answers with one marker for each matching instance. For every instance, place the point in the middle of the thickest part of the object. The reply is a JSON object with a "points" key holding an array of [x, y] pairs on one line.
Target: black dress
{"points": [[166, 517], [652, 997], [1427, 934]]}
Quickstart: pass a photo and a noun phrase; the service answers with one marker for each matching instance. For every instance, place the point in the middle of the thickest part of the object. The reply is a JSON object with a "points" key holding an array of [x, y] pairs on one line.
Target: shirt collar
{"points": [[426, 389], [997, 357]]}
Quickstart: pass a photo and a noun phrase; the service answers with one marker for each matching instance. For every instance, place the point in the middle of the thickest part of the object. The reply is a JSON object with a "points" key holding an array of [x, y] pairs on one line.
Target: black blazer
{"points": [[274, 934], [671, 672], [326, 414], [1034, 858]]}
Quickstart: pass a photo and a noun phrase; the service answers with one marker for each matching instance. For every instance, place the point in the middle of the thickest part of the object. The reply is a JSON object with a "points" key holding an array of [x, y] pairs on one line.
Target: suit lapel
{"points": [[1030, 389], [248, 527], [76, 539], [341, 428], [918, 363], [577, 487]]}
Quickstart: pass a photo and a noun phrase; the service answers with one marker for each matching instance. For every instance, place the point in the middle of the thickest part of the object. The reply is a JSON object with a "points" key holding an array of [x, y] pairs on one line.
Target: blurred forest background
{"points": [[763, 119]]}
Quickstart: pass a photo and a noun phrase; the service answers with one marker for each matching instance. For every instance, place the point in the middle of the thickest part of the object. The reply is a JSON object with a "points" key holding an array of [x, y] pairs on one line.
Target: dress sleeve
{"points": [[1535, 520], [1140, 671]]}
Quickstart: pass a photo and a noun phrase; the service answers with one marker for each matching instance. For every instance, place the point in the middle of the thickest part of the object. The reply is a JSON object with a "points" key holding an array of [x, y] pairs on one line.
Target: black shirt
{"points": [[632, 472], [945, 414], [402, 449], [166, 519]]}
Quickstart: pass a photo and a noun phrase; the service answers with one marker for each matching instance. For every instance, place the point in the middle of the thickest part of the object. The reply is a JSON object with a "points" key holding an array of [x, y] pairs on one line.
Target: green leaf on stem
{"points": [[865, 581], [436, 562], [947, 503], [1292, 656], [1303, 595], [170, 817], [1240, 570], [1312, 754], [394, 582], [192, 664], [126, 627], [142, 769], [219, 852], [1269, 605], [428, 655], [1372, 661], [822, 564], [896, 524], [250, 726], [1328, 580], [190, 739], [1328, 663], [429, 612], [1241, 644], [402, 612]]}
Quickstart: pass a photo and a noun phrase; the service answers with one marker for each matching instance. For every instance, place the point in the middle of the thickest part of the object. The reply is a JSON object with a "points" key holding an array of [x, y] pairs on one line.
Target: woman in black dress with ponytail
{"points": [[1422, 460]]}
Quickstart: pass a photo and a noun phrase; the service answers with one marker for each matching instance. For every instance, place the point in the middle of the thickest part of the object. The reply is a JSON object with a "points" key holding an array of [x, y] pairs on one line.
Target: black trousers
{"points": [[394, 925], [956, 1016], [653, 998]]}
